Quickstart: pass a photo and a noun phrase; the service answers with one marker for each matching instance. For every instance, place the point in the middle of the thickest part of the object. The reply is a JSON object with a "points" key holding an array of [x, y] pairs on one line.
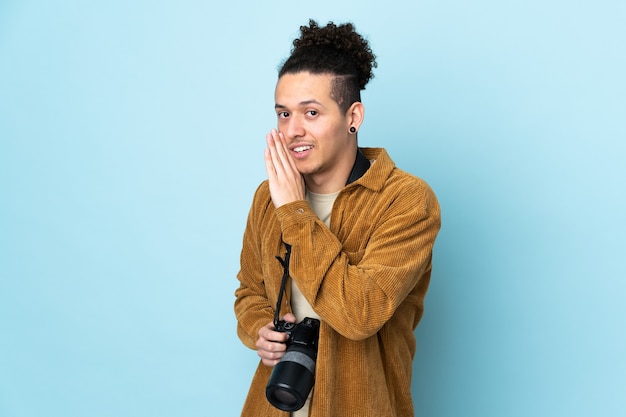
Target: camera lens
{"points": [[289, 385], [285, 398]]}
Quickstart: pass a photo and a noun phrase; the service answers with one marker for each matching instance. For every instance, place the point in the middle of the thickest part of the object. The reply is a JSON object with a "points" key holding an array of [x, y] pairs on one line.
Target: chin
{"points": [[305, 169]]}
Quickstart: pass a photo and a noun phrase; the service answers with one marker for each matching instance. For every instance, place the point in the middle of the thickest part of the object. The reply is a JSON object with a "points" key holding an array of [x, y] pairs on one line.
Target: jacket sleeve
{"points": [[253, 309], [357, 292]]}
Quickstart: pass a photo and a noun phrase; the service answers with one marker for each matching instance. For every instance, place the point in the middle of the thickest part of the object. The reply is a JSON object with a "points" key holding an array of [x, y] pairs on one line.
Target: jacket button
{"points": [[300, 210]]}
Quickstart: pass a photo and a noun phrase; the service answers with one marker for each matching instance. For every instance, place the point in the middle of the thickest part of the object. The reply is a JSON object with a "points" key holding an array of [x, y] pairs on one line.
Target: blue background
{"points": [[131, 141]]}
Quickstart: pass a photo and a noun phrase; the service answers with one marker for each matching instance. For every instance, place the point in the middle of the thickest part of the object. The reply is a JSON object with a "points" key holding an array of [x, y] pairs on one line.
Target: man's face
{"points": [[315, 127]]}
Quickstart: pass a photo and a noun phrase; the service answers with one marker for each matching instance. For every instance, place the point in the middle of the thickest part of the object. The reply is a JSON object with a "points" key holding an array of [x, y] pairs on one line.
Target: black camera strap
{"points": [[283, 282]]}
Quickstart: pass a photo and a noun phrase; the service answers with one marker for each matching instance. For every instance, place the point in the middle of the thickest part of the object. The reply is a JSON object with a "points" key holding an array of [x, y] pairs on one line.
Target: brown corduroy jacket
{"points": [[366, 276]]}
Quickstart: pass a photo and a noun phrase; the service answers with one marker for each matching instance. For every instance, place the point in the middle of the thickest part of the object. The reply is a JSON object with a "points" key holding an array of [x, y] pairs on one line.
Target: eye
{"points": [[313, 112], [282, 114]]}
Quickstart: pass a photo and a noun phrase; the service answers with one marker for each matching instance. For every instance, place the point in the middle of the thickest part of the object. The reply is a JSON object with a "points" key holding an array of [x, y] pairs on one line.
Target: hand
{"points": [[286, 182], [271, 344]]}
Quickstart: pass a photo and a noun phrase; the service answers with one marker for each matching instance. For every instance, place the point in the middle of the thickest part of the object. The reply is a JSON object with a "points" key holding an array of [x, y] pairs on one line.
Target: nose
{"points": [[293, 128]]}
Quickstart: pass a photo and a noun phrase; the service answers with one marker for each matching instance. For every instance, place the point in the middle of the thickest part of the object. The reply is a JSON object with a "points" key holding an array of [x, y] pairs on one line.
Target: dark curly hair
{"points": [[336, 50]]}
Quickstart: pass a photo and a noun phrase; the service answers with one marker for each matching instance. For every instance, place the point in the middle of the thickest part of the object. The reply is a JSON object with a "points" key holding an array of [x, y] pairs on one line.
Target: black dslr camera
{"points": [[293, 377]]}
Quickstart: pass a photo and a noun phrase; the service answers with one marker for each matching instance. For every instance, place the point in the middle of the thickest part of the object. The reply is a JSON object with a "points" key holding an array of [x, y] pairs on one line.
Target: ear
{"points": [[355, 115]]}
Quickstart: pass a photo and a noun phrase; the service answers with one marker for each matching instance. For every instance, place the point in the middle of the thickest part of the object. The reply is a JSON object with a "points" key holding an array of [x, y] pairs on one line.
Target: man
{"points": [[359, 231]]}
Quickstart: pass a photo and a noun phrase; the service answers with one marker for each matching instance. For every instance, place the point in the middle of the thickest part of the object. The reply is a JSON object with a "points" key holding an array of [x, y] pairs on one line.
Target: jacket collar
{"points": [[361, 165], [377, 175]]}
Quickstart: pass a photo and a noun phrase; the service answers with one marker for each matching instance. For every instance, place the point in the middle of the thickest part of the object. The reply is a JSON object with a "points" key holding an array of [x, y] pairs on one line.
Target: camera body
{"points": [[305, 334], [293, 377]]}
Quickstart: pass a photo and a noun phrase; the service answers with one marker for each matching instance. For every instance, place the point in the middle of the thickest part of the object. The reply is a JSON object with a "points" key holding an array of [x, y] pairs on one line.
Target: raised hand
{"points": [[285, 181]]}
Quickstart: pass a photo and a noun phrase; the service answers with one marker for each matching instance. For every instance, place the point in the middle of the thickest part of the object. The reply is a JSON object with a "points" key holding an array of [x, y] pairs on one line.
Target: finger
{"points": [[274, 155], [271, 357], [270, 339], [269, 165], [278, 338], [289, 317], [273, 144], [287, 164], [281, 146], [272, 350], [269, 362], [274, 164], [290, 160]]}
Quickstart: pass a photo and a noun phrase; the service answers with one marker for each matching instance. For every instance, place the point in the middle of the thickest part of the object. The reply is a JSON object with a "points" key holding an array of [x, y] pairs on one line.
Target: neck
{"points": [[359, 168], [330, 185], [331, 182]]}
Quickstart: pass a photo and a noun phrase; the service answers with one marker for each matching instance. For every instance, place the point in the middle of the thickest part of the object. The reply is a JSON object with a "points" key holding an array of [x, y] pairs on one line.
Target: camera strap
{"points": [[283, 282]]}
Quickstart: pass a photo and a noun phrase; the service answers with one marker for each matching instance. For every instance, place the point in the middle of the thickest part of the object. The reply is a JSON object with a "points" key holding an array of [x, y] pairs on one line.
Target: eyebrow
{"points": [[302, 103]]}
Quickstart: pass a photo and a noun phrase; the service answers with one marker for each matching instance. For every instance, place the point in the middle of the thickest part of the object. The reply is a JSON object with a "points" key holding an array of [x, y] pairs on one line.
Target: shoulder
{"points": [[261, 201], [407, 182], [393, 182], [262, 192], [408, 193]]}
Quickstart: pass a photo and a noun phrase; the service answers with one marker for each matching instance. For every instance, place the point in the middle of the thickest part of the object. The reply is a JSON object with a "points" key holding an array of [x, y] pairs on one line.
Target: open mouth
{"points": [[299, 149]]}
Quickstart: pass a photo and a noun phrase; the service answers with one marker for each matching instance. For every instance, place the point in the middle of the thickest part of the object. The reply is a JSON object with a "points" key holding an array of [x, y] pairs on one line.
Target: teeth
{"points": [[302, 148]]}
